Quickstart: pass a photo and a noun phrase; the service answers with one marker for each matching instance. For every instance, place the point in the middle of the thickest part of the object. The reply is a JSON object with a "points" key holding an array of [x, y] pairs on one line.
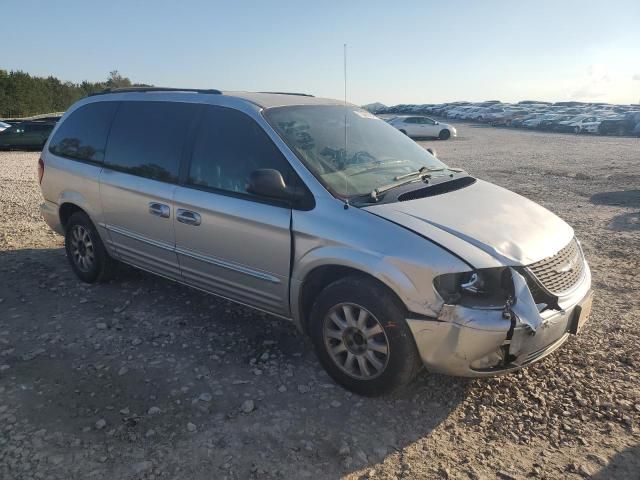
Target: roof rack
{"points": [[290, 93], [156, 89]]}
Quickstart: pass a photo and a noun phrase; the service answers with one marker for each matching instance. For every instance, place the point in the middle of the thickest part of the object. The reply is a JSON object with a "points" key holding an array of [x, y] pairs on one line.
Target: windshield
{"points": [[376, 152]]}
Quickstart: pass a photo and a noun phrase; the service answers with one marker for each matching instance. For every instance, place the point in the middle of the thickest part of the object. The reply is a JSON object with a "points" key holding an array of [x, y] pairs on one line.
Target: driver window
{"points": [[229, 146]]}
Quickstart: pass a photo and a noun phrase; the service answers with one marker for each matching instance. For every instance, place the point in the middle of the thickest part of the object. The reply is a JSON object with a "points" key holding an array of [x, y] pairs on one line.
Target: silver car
{"points": [[320, 213]]}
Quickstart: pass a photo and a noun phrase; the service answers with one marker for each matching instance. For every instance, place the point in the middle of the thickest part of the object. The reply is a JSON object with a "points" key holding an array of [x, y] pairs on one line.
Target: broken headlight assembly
{"points": [[489, 287]]}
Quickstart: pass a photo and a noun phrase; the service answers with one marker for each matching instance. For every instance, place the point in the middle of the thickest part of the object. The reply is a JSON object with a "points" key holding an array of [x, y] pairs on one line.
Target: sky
{"points": [[397, 52]]}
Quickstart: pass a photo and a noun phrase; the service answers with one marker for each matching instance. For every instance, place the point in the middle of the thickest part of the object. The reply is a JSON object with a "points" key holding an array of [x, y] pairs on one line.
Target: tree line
{"points": [[23, 95]]}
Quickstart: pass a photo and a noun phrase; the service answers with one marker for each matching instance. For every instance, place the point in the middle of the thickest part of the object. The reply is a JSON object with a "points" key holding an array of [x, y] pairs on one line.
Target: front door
{"points": [[230, 242]]}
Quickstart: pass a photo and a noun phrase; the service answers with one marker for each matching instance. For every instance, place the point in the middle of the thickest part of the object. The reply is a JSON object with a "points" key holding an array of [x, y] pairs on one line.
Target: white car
{"points": [[419, 126], [579, 124]]}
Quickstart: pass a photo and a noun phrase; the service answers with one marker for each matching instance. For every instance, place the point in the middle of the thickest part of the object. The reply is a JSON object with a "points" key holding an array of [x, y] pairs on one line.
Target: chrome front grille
{"points": [[561, 272]]}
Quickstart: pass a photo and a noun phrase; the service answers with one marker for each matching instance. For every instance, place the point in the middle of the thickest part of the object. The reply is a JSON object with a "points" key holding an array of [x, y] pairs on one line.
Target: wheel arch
{"points": [[317, 271], [70, 202], [66, 210]]}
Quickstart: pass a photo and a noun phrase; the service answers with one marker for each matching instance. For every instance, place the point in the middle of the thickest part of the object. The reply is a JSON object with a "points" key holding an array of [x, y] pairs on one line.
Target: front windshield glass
{"points": [[376, 153]]}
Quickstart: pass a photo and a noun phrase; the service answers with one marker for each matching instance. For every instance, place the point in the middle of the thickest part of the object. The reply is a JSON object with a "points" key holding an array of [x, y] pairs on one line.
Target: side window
{"points": [[229, 146], [43, 128], [83, 135], [147, 138]]}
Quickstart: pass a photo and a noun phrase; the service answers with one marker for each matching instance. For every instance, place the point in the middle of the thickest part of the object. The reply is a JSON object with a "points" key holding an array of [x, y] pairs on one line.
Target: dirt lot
{"points": [[143, 378]]}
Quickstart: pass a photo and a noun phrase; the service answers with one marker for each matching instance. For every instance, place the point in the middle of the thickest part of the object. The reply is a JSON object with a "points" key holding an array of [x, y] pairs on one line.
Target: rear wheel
{"points": [[444, 134], [361, 337], [86, 253]]}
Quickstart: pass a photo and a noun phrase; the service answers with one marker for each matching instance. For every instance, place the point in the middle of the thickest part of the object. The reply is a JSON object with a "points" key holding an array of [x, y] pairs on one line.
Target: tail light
{"points": [[40, 170]]}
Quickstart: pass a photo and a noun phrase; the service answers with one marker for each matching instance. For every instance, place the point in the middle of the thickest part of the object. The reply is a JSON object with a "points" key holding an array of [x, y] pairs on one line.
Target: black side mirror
{"points": [[268, 182]]}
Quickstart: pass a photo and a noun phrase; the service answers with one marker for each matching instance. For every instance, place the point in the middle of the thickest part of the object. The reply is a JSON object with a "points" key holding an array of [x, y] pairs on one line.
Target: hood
{"points": [[484, 224]]}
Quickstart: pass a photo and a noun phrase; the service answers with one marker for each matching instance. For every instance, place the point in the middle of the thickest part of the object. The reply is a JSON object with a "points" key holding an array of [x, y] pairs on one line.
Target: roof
{"points": [[268, 100], [261, 99]]}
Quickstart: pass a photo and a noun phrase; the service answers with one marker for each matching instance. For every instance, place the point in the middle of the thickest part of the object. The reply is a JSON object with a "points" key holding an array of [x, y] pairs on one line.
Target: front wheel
{"points": [[361, 337], [444, 134]]}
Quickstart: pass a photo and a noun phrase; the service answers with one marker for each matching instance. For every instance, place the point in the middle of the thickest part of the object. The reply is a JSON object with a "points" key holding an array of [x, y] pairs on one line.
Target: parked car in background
{"points": [[619, 125], [535, 121], [506, 118], [419, 126], [519, 121], [550, 123], [578, 124], [26, 135]]}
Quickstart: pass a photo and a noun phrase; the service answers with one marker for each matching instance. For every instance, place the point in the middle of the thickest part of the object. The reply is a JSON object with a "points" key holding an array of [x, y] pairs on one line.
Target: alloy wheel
{"points": [[82, 251], [356, 341]]}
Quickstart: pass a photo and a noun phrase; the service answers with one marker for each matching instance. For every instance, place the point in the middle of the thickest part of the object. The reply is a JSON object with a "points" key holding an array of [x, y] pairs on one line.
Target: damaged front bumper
{"points": [[476, 342]]}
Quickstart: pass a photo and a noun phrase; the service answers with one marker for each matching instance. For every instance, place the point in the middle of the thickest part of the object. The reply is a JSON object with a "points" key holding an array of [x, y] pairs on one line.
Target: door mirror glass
{"points": [[268, 182]]}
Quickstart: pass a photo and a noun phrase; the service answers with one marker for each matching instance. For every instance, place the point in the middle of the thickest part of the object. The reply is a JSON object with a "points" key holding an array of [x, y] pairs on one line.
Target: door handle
{"points": [[159, 209], [188, 217]]}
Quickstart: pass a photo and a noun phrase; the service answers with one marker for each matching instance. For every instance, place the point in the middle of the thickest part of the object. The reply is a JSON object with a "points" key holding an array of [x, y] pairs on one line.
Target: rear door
{"points": [[412, 127], [229, 241], [40, 133], [139, 179]]}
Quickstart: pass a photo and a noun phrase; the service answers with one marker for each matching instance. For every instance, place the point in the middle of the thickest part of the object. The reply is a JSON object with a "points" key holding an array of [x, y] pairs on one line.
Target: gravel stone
{"points": [[578, 409], [248, 406]]}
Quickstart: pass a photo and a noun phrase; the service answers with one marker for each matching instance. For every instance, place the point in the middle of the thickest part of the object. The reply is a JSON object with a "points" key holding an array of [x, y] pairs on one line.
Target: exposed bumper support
{"points": [[474, 342]]}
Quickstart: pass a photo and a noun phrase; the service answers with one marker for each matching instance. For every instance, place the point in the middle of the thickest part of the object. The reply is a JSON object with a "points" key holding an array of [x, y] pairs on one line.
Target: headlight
{"points": [[490, 285]]}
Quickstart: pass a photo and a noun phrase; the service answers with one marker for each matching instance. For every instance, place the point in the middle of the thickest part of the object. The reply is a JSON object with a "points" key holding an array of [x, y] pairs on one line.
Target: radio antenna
{"points": [[346, 156]]}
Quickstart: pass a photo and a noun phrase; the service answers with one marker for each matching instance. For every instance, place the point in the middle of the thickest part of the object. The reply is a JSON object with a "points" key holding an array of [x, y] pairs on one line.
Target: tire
{"points": [[405, 132], [444, 134], [384, 323], [85, 251]]}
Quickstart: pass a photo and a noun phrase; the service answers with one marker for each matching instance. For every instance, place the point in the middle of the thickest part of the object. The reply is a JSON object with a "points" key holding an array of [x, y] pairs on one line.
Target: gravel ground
{"points": [[143, 378]]}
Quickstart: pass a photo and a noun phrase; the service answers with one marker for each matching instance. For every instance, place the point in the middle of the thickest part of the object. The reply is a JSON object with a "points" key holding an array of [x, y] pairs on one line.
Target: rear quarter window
{"points": [[83, 135]]}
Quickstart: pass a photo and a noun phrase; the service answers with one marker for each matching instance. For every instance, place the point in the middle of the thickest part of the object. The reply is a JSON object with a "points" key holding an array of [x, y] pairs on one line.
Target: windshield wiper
{"points": [[375, 193], [420, 172], [419, 175]]}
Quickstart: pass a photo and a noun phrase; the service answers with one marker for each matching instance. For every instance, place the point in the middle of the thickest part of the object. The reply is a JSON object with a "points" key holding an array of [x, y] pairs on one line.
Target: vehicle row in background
{"points": [[569, 117]]}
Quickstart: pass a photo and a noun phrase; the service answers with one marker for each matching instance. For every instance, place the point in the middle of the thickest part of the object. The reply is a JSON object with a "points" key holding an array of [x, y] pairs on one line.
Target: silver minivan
{"points": [[320, 213]]}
